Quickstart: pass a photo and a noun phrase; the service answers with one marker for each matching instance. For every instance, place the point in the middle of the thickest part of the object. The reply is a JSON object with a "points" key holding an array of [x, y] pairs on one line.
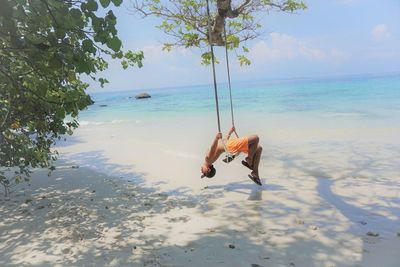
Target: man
{"points": [[247, 144]]}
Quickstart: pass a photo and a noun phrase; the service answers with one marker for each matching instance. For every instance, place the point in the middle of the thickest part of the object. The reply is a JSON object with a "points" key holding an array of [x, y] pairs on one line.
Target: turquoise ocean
{"points": [[370, 99]]}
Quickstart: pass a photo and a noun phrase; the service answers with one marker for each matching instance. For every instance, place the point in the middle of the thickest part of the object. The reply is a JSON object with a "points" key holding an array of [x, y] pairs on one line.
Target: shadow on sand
{"points": [[80, 226]]}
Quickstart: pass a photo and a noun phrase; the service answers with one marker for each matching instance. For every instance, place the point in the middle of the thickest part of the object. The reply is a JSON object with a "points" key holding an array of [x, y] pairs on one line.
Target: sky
{"points": [[330, 38]]}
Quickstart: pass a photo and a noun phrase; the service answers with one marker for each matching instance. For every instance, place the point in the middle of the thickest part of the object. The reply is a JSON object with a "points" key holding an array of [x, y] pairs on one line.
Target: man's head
{"points": [[208, 171]]}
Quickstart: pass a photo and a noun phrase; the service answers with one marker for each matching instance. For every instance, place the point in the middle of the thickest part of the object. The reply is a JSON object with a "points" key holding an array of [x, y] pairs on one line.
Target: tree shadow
{"points": [[279, 226], [370, 226], [95, 222]]}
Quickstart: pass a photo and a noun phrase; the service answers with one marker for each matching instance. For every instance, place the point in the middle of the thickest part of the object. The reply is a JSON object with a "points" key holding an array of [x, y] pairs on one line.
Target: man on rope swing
{"points": [[246, 144]]}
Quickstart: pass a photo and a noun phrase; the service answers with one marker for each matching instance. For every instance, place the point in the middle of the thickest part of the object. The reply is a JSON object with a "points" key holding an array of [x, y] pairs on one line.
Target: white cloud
{"points": [[283, 47], [380, 32], [155, 55]]}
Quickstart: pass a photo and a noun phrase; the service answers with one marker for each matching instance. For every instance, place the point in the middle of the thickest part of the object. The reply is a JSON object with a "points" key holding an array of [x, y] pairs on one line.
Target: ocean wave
{"points": [[344, 114], [86, 123], [117, 121]]}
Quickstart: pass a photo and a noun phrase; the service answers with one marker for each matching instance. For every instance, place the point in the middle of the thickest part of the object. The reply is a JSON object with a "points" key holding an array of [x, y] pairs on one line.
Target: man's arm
{"points": [[211, 154]]}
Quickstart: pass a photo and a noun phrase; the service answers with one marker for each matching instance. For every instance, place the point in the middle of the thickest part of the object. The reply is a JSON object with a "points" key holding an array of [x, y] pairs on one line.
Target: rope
{"points": [[213, 67], [229, 79], [230, 91], [214, 75]]}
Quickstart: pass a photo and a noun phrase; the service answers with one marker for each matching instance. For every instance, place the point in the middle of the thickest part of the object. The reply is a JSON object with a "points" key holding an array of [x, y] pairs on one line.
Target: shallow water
{"points": [[369, 100]]}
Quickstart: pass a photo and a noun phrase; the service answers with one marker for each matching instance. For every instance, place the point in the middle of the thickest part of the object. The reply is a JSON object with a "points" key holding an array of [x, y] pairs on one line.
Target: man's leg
{"points": [[253, 144], [256, 161]]}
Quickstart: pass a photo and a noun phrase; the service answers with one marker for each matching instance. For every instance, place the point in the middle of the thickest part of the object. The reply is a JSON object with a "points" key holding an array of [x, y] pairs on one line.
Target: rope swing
{"points": [[229, 156]]}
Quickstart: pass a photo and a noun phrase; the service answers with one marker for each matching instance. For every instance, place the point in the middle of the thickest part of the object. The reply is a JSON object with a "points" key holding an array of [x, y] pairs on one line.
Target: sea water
{"points": [[373, 99]]}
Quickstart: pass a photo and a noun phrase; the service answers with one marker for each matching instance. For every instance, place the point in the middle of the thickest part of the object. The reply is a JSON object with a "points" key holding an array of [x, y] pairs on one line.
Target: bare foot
{"points": [[255, 179], [249, 161], [255, 174], [246, 164]]}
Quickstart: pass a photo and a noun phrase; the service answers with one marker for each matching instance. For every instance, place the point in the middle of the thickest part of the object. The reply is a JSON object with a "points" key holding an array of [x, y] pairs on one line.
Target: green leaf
{"points": [[104, 3], [76, 14], [87, 45], [243, 60], [114, 43], [117, 2], [91, 5]]}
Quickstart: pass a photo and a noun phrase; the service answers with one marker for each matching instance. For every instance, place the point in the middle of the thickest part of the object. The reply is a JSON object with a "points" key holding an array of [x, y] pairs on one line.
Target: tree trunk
{"points": [[224, 11]]}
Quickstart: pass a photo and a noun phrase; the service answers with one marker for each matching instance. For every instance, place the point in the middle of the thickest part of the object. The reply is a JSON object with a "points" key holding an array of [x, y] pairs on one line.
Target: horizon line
{"points": [[276, 79]]}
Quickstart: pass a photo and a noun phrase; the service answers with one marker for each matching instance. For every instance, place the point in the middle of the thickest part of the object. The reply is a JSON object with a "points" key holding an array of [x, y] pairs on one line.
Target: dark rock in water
{"points": [[103, 106], [375, 234], [231, 246], [142, 95]]}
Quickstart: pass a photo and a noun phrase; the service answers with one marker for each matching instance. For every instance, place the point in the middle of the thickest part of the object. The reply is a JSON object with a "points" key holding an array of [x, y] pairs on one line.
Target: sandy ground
{"points": [[330, 198]]}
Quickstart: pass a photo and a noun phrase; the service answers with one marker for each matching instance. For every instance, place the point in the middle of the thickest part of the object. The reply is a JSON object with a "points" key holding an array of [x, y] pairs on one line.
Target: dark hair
{"points": [[211, 173]]}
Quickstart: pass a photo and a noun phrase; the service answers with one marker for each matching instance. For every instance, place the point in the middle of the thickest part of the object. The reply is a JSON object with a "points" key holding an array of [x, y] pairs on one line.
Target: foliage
{"points": [[46, 46], [187, 22]]}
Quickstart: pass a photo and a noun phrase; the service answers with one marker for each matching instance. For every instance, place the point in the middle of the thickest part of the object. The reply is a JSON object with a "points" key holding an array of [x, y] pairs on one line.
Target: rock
{"points": [[299, 221], [231, 246], [142, 95], [24, 211], [375, 234], [75, 166], [28, 201], [255, 265]]}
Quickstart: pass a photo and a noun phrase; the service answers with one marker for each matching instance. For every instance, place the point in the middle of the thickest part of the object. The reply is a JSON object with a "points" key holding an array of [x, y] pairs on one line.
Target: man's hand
{"points": [[232, 130], [218, 136]]}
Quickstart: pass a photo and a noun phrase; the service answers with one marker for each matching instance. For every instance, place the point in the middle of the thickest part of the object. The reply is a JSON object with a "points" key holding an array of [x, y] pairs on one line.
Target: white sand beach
{"points": [[330, 197]]}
